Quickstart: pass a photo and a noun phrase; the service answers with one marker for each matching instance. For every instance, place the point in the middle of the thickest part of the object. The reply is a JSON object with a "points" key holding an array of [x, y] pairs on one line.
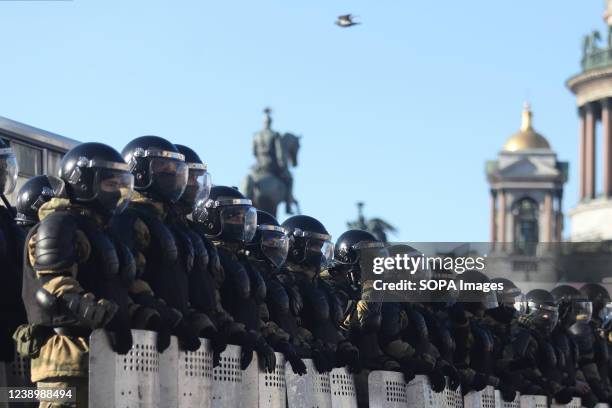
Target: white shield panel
{"points": [[128, 381], [168, 376], [387, 389], [505, 404], [272, 386], [227, 380], [343, 391], [574, 403], [478, 399], [534, 401], [310, 390], [195, 377]]}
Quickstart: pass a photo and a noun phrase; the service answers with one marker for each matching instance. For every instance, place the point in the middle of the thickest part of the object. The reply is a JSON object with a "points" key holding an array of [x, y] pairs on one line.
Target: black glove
{"points": [[408, 373], [349, 355], [246, 352], [508, 392], [267, 358], [187, 336], [164, 337], [480, 381], [437, 380], [565, 395], [297, 365], [121, 340], [321, 360], [454, 379]]}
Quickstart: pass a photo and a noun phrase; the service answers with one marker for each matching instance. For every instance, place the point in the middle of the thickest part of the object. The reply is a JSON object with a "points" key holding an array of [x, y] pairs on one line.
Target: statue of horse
{"points": [[268, 188]]}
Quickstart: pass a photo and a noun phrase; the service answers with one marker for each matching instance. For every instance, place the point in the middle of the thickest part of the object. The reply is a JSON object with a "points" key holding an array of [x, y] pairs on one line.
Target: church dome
{"points": [[527, 138]]}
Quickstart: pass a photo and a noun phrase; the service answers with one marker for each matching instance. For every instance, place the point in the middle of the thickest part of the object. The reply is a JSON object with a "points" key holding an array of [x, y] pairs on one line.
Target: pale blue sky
{"points": [[400, 112]]}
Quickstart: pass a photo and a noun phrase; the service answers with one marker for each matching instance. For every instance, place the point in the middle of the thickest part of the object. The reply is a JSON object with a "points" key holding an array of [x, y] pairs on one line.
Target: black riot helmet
{"points": [[96, 175], [309, 242], [573, 305], [542, 312], [270, 242], [227, 215], [509, 296], [354, 250], [159, 170], [32, 195], [473, 295], [198, 180], [8, 169], [597, 294]]}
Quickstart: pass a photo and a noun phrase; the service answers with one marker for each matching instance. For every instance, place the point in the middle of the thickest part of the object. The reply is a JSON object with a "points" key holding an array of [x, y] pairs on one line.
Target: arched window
{"points": [[526, 234]]}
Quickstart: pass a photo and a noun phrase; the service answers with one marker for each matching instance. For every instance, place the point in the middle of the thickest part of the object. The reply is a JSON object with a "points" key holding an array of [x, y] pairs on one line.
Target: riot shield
{"points": [[272, 386], [343, 391], [309, 390], [387, 389]]}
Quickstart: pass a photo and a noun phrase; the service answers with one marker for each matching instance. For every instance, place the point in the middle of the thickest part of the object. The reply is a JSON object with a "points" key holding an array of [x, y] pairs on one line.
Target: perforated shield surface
{"points": [[227, 379], [168, 375], [507, 404], [574, 403], [195, 374], [534, 401], [387, 389], [124, 381], [602, 405], [420, 394], [311, 390], [272, 386], [478, 399], [343, 391]]}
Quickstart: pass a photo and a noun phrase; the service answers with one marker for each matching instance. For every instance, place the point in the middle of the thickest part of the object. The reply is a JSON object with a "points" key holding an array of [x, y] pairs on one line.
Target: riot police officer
{"points": [[362, 318], [206, 275], [75, 272], [574, 308], [11, 249], [533, 348], [310, 252], [594, 353], [230, 221], [163, 258], [267, 252], [31, 196]]}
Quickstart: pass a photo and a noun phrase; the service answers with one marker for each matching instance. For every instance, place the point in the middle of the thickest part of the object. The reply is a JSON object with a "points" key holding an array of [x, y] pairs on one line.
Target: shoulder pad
{"points": [[418, 322], [200, 254], [336, 311], [214, 263], [124, 227], [258, 285], [483, 339], [391, 324], [277, 298], [583, 336], [186, 246], [521, 342], [235, 275], [54, 247], [162, 239], [369, 316], [319, 306], [548, 354], [296, 302], [127, 264]]}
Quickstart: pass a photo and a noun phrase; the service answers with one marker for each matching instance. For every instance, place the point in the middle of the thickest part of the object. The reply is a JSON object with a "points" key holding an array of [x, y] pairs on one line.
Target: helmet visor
{"points": [[543, 316], [519, 303], [168, 177], [238, 223], [113, 189], [606, 312], [489, 300], [198, 186], [8, 171], [583, 310], [319, 252], [275, 246]]}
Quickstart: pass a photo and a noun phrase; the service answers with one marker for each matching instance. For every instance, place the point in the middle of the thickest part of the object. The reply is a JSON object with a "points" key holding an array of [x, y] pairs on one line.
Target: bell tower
{"points": [[526, 185]]}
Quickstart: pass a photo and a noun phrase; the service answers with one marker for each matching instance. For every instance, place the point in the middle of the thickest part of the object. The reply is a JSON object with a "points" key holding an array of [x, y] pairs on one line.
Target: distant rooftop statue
{"points": [[376, 226], [270, 181]]}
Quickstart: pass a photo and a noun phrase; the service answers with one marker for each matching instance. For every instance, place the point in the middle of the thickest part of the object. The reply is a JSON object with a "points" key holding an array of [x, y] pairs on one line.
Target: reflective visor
{"points": [[113, 189], [198, 186], [275, 246], [238, 223], [168, 177], [583, 310], [8, 171], [323, 249]]}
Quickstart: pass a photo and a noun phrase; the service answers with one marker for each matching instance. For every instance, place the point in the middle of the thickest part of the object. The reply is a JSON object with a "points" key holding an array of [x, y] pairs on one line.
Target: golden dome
{"points": [[527, 138]]}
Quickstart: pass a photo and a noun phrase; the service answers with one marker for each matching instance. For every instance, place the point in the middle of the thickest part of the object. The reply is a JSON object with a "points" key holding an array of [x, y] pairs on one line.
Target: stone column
{"points": [[501, 212], [590, 123], [548, 218], [581, 154], [559, 221], [606, 130], [493, 216]]}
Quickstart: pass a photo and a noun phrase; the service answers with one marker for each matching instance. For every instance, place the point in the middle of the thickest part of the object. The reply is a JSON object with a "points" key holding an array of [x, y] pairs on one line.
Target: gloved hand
{"points": [[480, 381], [454, 379], [565, 395], [437, 380], [348, 355], [508, 392], [246, 355], [187, 336], [408, 373], [121, 340], [267, 358], [321, 360], [297, 365], [164, 337]]}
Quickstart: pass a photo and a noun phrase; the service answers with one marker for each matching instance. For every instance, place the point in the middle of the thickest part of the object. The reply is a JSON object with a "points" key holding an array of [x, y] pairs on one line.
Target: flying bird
{"points": [[346, 20]]}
